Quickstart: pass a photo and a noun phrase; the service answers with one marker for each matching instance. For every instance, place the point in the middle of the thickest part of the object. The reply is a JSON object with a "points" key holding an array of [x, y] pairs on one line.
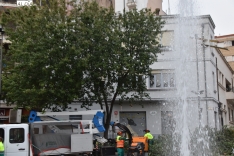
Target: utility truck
{"points": [[46, 135]]}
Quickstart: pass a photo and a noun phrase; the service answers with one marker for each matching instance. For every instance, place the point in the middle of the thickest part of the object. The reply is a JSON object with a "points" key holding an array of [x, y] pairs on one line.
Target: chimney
{"points": [[157, 11]]}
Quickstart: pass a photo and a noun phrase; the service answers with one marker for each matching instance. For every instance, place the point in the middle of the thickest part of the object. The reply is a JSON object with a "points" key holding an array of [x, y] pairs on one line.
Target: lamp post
{"points": [[2, 32]]}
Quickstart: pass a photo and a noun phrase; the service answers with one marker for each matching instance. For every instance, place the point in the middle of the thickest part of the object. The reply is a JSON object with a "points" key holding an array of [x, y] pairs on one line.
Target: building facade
{"points": [[226, 42]]}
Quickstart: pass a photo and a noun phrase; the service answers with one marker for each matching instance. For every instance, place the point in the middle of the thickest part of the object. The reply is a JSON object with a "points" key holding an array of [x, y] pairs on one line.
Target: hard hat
{"points": [[120, 133], [146, 130]]}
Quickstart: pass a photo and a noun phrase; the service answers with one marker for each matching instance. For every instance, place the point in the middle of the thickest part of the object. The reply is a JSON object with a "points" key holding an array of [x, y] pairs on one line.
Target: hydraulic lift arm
{"points": [[124, 129]]}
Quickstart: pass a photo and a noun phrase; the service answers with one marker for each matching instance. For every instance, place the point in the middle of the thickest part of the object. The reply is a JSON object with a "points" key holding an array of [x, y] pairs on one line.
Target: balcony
{"points": [[230, 96], [131, 4]]}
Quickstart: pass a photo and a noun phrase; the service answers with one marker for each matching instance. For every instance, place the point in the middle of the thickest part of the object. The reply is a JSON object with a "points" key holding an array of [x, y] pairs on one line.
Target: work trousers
{"points": [[1, 153], [120, 151]]}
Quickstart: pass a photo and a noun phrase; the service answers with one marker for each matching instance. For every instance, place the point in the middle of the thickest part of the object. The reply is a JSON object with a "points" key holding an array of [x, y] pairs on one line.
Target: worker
{"points": [[120, 143], [149, 136], [1, 147]]}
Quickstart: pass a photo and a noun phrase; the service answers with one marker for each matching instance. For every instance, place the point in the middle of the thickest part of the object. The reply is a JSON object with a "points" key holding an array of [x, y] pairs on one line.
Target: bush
{"points": [[204, 141], [225, 141]]}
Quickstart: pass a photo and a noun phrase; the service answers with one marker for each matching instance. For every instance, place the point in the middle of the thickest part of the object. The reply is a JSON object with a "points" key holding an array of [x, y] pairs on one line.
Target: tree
{"points": [[90, 54], [119, 49], [47, 69]]}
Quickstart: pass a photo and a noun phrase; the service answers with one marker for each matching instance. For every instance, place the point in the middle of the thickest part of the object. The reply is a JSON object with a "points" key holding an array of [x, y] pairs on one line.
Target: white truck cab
{"points": [[15, 139]]}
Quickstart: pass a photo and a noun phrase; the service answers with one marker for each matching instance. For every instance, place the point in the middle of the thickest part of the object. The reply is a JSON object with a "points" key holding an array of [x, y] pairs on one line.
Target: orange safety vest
{"points": [[120, 143]]}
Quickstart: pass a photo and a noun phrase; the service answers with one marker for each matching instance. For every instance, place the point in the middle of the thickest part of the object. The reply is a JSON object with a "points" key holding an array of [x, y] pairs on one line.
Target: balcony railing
{"points": [[131, 4]]}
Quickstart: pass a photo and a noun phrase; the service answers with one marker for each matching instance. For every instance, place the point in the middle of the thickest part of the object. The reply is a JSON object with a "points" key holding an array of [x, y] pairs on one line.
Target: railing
{"points": [[166, 48], [228, 89], [9, 1], [131, 1]]}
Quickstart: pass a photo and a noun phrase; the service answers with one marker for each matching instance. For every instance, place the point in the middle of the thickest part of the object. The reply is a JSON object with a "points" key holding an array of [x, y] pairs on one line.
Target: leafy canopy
{"points": [[89, 53], [47, 67], [118, 49]]}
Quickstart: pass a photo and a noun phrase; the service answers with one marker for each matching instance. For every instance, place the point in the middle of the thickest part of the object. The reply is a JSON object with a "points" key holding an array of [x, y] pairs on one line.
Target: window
{"points": [[16, 135], [230, 113], [232, 43], [213, 76], [219, 76], [2, 133], [222, 80], [228, 58], [228, 86], [75, 117], [133, 81], [166, 40], [215, 118], [162, 79]]}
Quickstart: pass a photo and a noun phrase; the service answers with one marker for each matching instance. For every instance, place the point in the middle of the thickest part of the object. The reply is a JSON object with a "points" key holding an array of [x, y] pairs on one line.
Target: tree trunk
{"points": [[107, 125]]}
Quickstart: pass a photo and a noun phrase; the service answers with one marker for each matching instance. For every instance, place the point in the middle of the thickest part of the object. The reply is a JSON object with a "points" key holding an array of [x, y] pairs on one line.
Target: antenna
{"points": [[169, 11]]}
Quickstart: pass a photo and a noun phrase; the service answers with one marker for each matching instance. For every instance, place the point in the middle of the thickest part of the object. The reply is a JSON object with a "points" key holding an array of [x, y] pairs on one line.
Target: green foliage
{"points": [[88, 53], [119, 49], [162, 146], [225, 140], [46, 67], [204, 141]]}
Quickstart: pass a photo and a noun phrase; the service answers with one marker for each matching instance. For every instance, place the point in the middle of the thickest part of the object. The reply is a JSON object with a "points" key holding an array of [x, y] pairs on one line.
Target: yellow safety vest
{"points": [[149, 136], [1, 147], [120, 143]]}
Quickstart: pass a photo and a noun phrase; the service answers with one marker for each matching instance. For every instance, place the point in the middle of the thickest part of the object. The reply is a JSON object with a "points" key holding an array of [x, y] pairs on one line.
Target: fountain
{"points": [[189, 137]]}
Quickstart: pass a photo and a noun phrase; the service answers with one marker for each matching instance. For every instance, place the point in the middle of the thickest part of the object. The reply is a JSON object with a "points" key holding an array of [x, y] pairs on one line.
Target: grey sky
{"points": [[221, 11]]}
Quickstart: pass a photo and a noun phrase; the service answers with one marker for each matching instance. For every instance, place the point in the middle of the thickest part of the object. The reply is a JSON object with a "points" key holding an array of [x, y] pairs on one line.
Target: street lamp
{"points": [[1, 53]]}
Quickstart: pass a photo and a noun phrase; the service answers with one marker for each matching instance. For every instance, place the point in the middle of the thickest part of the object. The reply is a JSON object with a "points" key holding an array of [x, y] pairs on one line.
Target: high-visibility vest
{"points": [[120, 143], [1, 147], [149, 136]]}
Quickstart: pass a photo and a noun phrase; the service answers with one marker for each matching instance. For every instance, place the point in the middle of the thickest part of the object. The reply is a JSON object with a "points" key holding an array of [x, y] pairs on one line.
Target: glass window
{"points": [[172, 80], [165, 80], [229, 114], [162, 79], [213, 76], [158, 80], [151, 82], [16, 135], [2, 133], [167, 38], [75, 117]]}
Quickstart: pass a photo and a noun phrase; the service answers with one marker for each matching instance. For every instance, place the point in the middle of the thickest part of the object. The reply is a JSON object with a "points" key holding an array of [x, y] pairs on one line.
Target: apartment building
{"points": [[227, 50]]}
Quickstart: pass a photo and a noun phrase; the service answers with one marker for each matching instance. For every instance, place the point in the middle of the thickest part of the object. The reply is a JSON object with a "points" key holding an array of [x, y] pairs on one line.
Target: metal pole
{"points": [[1, 63], [198, 88], [124, 6]]}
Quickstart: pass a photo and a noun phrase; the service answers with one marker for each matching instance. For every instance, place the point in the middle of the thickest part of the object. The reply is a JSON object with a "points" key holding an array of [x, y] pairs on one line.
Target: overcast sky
{"points": [[221, 11]]}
